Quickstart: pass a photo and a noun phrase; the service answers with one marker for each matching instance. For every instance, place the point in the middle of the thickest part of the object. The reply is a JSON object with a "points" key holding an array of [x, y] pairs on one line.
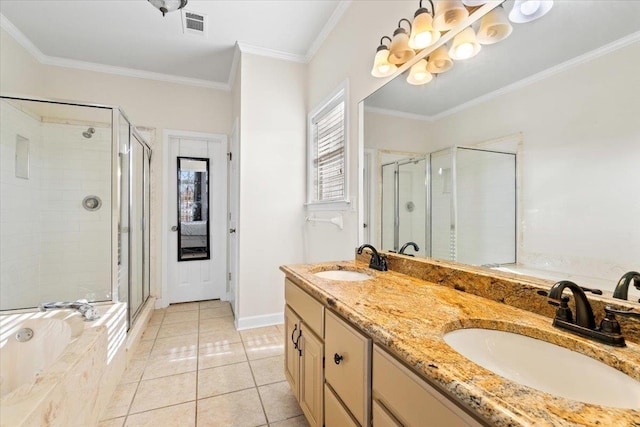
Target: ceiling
{"points": [[131, 35], [571, 29]]}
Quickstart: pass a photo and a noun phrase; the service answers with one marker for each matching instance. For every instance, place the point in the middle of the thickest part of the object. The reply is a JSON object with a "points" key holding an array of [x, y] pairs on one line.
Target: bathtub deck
{"points": [[192, 368]]}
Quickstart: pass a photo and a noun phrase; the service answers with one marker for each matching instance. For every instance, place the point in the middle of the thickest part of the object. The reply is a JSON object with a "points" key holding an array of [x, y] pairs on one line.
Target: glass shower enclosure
{"points": [[461, 202], [74, 205]]}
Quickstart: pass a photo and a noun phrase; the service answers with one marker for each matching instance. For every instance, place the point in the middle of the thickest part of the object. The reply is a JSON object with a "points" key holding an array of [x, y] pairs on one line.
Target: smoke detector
{"points": [[194, 23]]}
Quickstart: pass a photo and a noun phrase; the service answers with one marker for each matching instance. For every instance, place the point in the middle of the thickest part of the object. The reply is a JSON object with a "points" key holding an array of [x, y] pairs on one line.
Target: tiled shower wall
{"points": [[19, 210], [52, 248]]}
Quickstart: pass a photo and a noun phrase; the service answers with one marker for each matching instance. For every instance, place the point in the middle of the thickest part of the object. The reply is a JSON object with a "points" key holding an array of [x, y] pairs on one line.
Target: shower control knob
{"points": [[174, 228]]}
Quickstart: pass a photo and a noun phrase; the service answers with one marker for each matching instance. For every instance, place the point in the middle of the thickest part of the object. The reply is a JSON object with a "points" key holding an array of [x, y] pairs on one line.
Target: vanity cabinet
{"points": [[347, 369], [304, 351], [401, 398]]}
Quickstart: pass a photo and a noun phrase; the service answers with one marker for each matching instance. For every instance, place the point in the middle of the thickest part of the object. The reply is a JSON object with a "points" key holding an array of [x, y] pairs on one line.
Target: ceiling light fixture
{"points": [[494, 26], [381, 65], [439, 60], [448, 14], [166, 6], [400, 52], [465, 45], [422, 32], [529, 10], [426, 30], [419, 74]]}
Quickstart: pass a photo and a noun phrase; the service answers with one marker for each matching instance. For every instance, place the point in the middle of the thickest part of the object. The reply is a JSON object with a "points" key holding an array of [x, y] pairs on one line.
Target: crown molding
{"points": [[22, 40], [131, 72], [27, 44], [578, 60], [396, 113], [269, 53], [342, 7], [234, 66]]}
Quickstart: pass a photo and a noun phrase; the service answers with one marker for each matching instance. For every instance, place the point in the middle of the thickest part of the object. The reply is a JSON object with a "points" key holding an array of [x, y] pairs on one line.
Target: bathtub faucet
{"points": [[82, 306]]}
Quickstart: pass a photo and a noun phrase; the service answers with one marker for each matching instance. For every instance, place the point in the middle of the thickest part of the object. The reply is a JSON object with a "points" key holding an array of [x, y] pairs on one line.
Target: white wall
{"points": [[272, 192]]}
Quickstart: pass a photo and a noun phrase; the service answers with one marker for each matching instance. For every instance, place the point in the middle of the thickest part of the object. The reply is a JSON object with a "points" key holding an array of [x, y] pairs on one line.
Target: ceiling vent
{"points": [[194, 23]]}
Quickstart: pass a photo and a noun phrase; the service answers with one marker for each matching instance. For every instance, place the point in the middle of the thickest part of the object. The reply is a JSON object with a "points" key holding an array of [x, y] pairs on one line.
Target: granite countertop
{"points": [[409, 317]]}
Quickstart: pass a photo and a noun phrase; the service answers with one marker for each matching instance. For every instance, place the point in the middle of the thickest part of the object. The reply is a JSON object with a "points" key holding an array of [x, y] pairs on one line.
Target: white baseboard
{"points": [[259, 321]]}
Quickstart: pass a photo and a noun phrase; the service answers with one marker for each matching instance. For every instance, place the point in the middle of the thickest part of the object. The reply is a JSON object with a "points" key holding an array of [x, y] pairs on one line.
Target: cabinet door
{"points": [[291, 355], [311, 377]]}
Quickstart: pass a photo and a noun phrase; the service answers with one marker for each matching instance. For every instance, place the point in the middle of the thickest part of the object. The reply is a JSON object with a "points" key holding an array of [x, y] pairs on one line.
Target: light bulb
{"points": [[423, 40], [530, 7], [464, 51]]}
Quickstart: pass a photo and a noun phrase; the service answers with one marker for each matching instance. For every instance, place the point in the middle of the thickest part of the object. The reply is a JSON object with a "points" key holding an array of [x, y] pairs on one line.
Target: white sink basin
{"points": [[343, 275], [546, 367]]}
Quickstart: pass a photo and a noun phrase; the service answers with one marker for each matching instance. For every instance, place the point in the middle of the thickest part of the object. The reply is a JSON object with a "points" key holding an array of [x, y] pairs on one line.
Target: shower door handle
{"points": [[174, 228]]}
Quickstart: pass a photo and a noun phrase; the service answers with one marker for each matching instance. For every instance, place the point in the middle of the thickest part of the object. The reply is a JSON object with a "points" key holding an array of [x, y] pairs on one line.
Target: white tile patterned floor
{"points": [[193, 369]]}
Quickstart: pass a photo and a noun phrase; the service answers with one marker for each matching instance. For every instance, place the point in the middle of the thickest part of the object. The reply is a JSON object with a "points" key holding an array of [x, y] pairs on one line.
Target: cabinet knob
{"points": [[337, 358]]}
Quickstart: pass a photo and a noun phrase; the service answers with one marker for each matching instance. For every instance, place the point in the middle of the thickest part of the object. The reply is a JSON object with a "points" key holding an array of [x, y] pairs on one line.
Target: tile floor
{"points": [[192, 368]]}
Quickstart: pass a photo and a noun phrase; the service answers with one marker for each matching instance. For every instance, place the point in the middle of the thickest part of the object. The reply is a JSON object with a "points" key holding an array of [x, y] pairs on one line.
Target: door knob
{"points": [[232, 230], [174, 228]]}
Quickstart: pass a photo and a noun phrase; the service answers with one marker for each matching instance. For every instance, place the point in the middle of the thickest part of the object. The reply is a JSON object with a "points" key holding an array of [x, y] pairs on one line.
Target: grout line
{"points": [[264, 411]]}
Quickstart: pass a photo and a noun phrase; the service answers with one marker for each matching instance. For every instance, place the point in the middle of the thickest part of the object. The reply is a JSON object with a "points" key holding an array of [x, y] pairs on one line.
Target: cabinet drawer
{"points": [[409, 398], [347, 366], [382, 417], [310, 310], [335, 415]]}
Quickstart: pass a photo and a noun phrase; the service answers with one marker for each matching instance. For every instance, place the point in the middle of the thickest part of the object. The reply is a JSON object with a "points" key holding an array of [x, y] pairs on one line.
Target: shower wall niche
{"points": [[74, 188]]}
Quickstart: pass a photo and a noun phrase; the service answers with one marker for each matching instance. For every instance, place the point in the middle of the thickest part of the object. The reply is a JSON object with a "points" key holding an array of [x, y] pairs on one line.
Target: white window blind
{"points": [[328, 162]]}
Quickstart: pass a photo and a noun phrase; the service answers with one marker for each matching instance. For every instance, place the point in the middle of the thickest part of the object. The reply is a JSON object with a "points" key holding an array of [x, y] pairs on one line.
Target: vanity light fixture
{"points": [[166, 6], [422, 31], [439, 60], [529, 10], [494, 26], [381, 65], [400, 52], [448, 14], [418, 75], [465, 45]]}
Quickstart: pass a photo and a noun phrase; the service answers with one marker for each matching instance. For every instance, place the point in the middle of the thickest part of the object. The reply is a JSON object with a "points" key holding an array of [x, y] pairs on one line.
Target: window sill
{"points": [[338, 205]]}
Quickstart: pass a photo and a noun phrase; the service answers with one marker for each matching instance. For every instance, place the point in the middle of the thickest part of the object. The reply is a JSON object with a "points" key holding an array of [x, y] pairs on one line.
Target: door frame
{"points": [[233, 213], [162, 300]]}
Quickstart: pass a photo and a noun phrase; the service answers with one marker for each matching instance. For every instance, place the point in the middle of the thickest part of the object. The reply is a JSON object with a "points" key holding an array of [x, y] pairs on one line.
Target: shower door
{"points": [[473, 206], [404, 205]]}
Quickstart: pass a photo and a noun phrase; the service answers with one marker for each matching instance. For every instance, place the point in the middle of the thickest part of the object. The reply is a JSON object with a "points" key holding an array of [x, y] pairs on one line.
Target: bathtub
{"points": [[54, 378]]}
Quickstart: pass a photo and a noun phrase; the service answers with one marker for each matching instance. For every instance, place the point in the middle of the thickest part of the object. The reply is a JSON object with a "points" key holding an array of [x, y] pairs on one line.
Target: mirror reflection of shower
{"points": [[89, 133]]}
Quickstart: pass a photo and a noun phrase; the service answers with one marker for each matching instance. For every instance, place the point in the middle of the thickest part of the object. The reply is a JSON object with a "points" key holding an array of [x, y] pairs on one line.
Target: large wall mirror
{"points": [[523, 158]]}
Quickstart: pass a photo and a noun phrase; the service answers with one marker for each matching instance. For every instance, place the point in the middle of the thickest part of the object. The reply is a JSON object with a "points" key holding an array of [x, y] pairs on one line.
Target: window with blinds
{"points": [[327, 152]]}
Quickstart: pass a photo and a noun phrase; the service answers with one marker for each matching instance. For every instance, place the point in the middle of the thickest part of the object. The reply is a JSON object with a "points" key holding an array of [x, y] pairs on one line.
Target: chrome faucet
{"points": [[622, 288], [378, 262], [585, 325], [88, 311], [406, 245]]}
